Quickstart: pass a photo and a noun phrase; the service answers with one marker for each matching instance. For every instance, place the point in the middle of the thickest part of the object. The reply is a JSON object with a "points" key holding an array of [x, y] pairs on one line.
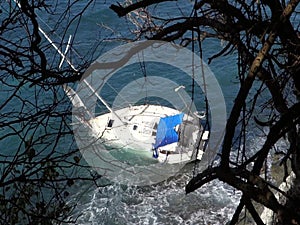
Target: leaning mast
{"points": [[64, 57]]}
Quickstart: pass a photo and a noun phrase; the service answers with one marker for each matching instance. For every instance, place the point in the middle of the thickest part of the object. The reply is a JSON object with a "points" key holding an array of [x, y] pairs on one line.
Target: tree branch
{"points": [[122, 11], [286, 122], [250, 184], [247, 84]]}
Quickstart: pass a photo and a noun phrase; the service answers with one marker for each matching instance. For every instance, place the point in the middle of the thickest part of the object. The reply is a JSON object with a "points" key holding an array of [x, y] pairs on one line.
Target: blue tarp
{"points": [[166, 133]]}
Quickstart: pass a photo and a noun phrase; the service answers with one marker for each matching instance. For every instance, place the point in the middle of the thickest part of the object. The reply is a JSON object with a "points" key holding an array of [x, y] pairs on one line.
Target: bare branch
{"points": [[122, 11], [247, 84]]}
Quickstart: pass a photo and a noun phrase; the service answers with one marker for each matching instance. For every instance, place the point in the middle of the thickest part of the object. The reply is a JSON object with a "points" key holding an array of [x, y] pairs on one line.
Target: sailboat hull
{"points": [[136, 128]]}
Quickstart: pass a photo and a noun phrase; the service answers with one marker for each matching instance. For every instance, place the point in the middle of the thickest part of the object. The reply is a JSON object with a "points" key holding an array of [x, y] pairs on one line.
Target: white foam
{"points": [[166, 203]]}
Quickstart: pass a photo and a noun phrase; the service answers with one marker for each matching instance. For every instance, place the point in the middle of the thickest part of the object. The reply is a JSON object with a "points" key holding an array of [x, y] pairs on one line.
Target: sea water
{"points": [[165, 202]]}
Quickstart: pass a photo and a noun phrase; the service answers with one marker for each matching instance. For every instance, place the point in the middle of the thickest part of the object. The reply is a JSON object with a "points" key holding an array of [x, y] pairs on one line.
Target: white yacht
{"points": [[166, 134]]}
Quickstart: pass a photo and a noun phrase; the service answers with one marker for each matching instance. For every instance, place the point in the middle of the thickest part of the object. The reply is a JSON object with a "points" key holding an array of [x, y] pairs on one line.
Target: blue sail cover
{"points": [[166, 133]]}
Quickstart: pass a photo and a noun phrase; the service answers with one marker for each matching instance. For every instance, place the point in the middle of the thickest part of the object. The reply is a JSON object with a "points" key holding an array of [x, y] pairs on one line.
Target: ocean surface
{"points": [[164, 203]]}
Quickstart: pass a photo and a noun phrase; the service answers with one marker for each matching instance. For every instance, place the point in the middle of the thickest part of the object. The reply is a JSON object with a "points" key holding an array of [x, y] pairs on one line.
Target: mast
{"points": [[73, 67], [103, 101], [64, 57]]}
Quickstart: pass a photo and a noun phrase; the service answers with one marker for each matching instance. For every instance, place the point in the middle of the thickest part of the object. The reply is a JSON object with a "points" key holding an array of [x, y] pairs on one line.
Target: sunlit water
{"points": [[165, 203]]}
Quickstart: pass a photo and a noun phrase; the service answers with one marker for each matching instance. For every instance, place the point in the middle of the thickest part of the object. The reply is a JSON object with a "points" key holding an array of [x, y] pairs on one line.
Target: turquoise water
{"points": [[135, 156]]}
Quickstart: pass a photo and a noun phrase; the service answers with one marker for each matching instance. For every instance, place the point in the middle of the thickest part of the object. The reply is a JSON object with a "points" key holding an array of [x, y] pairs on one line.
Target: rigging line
{"points": [[204, 81], [144, 71], [240, 138], [115, 90], [194, 14], [201, 54], [73, 67], [103, 101], [64, 57], [65, 53], [75, 51], [203, 76], [193, 67], [57, 49], [53, 31], [207, 124], [193, 56], [50, 41]]}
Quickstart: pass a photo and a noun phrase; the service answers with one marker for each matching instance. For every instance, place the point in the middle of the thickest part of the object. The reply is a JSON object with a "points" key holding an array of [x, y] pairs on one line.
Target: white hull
{"points": [[137, 130], [136, 127]]}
